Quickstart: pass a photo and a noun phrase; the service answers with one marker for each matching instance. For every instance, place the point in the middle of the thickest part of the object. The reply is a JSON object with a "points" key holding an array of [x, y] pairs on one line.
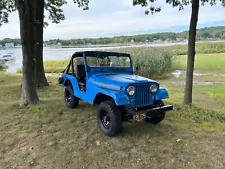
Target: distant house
{"points": [[59, 44], [180, 39], [9, 45], [132, 41], [0, 46], [167, 40], [18, 46], [45, 44]]}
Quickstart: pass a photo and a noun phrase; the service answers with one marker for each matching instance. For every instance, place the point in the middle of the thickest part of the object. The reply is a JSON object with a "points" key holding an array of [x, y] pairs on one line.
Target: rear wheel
{"points": [[159, 116], [70, 100], [109, 118]]}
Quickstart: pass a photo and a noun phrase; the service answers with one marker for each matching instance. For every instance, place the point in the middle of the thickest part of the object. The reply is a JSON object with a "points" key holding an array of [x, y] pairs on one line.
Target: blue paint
{"points": [[161, 94], [114, 83]]}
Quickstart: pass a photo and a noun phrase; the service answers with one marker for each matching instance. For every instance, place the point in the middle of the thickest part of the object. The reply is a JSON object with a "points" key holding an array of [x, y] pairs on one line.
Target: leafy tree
{"points": [[54, 7], [31, 14], [39, 23], [223, 36], [152, 4]]}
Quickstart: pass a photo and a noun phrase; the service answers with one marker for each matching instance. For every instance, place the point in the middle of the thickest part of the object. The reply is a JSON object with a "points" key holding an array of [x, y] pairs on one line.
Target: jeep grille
{"points": [[142, 95]]}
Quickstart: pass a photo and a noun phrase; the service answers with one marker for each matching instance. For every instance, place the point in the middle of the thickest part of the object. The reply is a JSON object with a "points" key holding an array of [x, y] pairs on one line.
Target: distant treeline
{"points": [[210, 33]]}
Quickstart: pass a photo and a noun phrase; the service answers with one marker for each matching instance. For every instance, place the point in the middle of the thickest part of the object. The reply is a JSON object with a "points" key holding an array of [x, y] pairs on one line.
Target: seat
{"points": [[81, 75]]}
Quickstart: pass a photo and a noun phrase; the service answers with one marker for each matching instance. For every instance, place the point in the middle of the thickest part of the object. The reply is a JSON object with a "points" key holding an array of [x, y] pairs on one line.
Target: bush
{"points": [[153, 62], [3, 67]]}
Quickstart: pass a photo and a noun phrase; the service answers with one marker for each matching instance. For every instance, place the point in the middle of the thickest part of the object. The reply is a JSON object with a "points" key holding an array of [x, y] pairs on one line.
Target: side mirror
{"points": [[60, 80], [136, 69]]}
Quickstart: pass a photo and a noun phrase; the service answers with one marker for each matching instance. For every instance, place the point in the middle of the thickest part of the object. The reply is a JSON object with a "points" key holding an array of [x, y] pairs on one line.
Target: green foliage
{"points": [[214, 33], [3, 67], [153, 7], [53, 7], [210, 33], [153, 62], [6, 7], [8, 40], [55, 10]]}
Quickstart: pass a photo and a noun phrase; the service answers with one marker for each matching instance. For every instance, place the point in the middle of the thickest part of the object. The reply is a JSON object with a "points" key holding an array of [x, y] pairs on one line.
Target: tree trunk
{"points": [[39, 16], [191, 52], [27, 29]]}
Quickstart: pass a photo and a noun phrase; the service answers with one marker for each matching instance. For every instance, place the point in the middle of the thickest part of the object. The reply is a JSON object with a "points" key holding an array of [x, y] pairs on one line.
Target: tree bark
{"points": [[191, 52], [27, 31], [40, 73]]}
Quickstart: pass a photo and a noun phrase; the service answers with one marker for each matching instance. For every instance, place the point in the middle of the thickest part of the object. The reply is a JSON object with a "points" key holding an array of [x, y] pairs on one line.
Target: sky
{"points": [[118, 17]]}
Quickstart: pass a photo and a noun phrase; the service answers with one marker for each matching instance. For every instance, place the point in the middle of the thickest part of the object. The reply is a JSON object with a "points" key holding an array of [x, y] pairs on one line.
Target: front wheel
{"points": [[159, 117], [109, 118]]}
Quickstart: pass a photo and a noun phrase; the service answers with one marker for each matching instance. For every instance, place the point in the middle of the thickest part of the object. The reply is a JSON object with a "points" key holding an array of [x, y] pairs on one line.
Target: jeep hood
{"points": [[117, 82]]}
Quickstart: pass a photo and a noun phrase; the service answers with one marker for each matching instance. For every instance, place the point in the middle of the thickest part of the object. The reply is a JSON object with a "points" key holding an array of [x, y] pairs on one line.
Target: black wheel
{"points": [[159, 117], [70, 100], [109, 118]]}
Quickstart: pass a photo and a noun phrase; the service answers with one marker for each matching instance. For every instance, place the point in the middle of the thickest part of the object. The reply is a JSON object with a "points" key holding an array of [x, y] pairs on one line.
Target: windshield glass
{"points": [[109, 61]]}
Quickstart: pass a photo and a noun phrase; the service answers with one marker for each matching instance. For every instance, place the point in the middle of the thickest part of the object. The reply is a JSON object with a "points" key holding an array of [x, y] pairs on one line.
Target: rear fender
{"points": [[69, 79]]}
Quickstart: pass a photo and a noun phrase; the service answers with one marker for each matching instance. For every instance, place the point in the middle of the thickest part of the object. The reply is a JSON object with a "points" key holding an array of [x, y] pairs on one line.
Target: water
{"points": [[64, 53], [49, 54], [178, 73]]}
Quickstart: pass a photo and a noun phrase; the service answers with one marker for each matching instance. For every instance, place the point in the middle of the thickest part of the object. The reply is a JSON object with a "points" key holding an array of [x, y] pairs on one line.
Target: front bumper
{"points": [[149, 112], [153, 112]]}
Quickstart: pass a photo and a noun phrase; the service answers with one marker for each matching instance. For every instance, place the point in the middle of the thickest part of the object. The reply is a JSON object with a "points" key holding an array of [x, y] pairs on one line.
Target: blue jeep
{"points": [[107, 79]]}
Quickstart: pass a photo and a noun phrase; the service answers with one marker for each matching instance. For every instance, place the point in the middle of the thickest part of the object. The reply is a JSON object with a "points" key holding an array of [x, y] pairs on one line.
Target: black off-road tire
{"points": [[70, 100], [159, 117], [109, 118]]}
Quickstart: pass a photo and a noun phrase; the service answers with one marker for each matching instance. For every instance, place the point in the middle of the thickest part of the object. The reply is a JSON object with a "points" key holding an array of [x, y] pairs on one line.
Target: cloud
{"points": [[115, 17]]}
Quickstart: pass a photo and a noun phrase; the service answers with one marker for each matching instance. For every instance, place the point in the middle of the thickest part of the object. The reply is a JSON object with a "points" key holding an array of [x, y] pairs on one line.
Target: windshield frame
{"points": [[107, 54]]}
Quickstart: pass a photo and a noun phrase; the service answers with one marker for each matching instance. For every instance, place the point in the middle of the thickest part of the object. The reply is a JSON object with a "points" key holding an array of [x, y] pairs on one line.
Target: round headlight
{"points": [[153, 88], [131, 90]]}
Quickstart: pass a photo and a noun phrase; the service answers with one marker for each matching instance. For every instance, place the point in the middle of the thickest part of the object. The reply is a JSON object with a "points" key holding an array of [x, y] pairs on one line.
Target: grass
{"points": [[52, 66], [208, 91], [55, 66], [203, 62], [201, 48], [52, 136]]}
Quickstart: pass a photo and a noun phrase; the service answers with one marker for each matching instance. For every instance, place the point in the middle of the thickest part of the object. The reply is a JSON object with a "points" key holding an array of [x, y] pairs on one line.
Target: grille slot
{"points": [[142, 95]]}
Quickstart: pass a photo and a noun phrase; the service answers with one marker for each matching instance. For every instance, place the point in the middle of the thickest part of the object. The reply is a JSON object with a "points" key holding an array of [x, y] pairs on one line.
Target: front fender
{"points": [[119, 98], [161, 94]]}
